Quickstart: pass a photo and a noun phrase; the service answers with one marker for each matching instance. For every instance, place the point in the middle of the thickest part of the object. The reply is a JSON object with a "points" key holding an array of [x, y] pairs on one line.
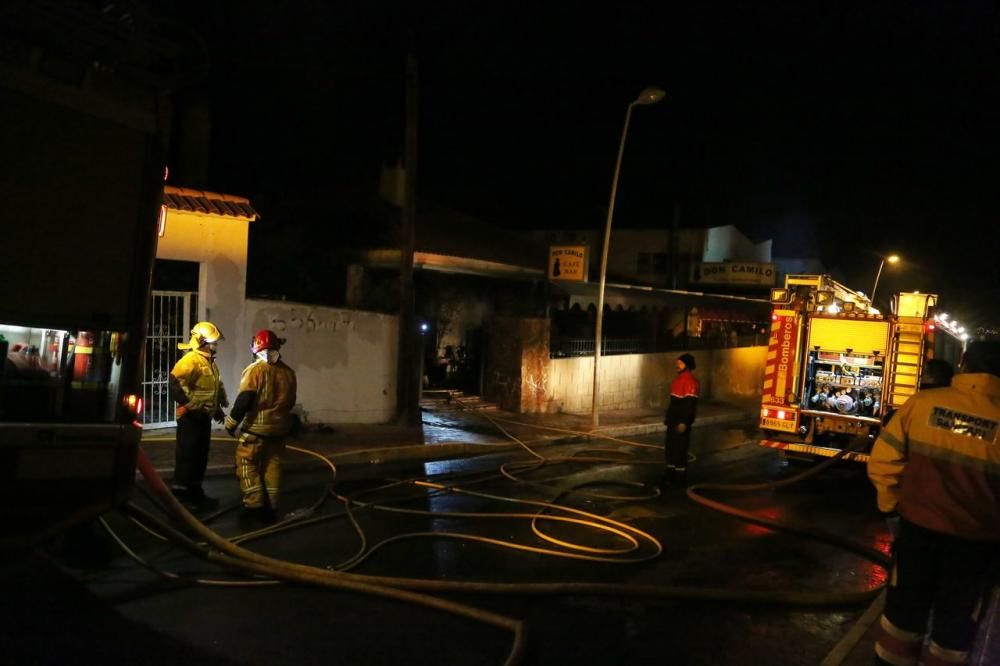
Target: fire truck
{"points": [[837, 367], [83, 144]]}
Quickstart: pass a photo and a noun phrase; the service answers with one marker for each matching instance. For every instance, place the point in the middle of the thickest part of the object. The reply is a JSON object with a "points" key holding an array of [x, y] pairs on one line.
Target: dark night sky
{"points": [[841, 132]]}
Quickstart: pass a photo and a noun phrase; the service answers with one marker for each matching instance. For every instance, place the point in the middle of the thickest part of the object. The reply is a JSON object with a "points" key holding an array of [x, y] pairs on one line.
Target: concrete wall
{"points": [[219, 245], [345, 359], [632, 381], [516, 369]]}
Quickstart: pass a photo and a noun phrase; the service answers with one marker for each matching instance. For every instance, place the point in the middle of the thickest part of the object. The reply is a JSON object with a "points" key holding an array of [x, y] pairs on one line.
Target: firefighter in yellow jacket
{"points": [[937, 463], [263, 414], [196, 387]]}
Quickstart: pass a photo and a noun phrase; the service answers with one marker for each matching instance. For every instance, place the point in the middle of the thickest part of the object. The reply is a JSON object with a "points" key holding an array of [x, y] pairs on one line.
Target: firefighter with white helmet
{"points": [[262, 419], [196, 387]]}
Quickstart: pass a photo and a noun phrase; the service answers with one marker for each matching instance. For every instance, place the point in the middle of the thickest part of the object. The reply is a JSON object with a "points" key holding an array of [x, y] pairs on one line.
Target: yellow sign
{"points": [[568, 262]]}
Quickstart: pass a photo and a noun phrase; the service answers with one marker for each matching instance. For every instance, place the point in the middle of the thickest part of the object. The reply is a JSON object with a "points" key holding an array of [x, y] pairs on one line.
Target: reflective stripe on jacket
{"points": [[937, 461], [275, 386], [198, 376]]}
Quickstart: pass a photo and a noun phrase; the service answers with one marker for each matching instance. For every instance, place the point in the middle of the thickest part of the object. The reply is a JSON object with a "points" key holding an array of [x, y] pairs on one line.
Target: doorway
{"points": [[173, 310]]}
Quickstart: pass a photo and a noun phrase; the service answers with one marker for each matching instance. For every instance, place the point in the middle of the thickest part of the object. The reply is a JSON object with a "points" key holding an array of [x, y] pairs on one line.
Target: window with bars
{"points": [[171, 316]]}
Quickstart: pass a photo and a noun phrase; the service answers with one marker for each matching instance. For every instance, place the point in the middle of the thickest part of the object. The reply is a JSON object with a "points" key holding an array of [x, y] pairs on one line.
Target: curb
{"points": [[368, 458]]}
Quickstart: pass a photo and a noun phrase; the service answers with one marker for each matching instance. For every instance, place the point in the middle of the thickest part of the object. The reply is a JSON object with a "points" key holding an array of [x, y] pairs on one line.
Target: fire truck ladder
{"points": [[907, 361]]}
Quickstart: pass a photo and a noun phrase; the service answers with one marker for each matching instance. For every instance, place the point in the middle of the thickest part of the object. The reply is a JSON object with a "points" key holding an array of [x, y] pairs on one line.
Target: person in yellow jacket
{"points": [[196, 387], [937, 464], [262, 412]]}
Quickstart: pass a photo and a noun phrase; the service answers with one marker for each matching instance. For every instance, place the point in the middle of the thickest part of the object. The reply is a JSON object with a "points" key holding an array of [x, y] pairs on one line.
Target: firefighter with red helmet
{"points": [[262, 419], [196, 387]]}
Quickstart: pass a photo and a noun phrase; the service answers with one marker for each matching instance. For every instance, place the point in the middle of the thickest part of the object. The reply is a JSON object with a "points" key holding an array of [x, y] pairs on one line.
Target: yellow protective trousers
{"points": [[258, 468]]}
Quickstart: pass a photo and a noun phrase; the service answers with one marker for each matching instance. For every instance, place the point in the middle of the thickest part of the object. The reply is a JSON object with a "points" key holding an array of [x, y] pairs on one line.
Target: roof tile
{"points": [[210, 203]]}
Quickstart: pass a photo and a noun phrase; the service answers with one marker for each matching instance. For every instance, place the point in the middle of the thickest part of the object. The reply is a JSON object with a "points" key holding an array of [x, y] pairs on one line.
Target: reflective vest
{"points": [[275, 386], [937, 461], [198, 377]]}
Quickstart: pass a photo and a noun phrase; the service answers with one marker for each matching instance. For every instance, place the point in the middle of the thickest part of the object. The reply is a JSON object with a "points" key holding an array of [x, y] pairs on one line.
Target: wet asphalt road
{"points": [[130, 615]]}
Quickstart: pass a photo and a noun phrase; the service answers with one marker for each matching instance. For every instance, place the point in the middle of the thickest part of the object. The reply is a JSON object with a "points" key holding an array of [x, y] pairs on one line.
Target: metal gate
{"points": [[170, 317]]}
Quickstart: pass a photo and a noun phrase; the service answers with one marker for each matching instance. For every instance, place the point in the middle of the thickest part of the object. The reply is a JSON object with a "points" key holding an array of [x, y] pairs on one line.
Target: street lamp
{"points": [[892, 259], [647, 96]]}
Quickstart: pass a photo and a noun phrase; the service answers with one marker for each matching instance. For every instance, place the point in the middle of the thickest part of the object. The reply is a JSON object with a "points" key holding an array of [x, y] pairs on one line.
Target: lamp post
{"points": [[892, 259], [647, 96]]}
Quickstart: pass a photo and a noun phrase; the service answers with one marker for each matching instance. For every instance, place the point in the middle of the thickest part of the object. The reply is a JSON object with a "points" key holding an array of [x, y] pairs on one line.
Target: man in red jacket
{"points": [[684, 391]]}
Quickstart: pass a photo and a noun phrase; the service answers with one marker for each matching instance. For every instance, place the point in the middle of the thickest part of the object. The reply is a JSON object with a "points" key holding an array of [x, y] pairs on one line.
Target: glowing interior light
{"points": [[964, 337], [133, 403]]}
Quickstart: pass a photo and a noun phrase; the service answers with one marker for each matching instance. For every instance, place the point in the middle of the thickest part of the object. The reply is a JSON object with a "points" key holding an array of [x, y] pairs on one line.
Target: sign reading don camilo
{"points": [[568, 262], [733, 273]]}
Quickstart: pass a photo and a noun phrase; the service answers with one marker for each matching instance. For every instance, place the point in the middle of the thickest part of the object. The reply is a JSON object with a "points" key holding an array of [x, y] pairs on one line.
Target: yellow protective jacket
{"points": [[275, 389], [937, 461], [198, 377]]}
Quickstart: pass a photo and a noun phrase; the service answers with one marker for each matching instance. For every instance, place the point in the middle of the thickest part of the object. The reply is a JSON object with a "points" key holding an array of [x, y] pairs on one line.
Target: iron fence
{"points": [[570, 347]]}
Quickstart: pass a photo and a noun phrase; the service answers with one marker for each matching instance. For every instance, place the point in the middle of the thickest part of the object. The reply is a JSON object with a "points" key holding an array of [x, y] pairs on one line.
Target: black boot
{"points": [[206, 503], [666, 482]]}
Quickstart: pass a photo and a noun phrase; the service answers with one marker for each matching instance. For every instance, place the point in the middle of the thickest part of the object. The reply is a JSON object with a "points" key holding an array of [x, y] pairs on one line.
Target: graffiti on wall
{"points": [[307, 319]]}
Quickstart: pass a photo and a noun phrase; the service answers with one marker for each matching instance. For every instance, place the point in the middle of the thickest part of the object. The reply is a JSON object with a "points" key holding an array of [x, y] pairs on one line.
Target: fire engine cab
{"points": [[837, 367]]}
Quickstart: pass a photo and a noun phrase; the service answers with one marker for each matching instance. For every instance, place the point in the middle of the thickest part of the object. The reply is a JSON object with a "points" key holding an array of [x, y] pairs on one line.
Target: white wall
{"points": [[727, 243], [219, 245], [345, 360], [631, 381]]}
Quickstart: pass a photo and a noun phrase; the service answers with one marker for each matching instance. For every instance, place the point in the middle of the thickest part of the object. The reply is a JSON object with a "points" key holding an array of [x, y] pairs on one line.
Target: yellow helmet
{"points": [[203, 333]]}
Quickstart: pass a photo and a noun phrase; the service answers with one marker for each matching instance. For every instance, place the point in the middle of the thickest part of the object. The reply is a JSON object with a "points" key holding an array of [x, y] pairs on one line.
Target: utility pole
{"points": [[408, 369], [675, 234]]}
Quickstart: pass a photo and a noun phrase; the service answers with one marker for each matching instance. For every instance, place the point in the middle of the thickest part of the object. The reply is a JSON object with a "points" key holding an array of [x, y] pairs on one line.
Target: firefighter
{"points": [[680, 415], [262, 412], [196, 387], [937, 463]]}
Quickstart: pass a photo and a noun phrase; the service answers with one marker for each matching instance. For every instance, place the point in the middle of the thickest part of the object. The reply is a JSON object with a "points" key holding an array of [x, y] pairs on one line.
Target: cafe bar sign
{"points": [[747, 274], [568, 263]]}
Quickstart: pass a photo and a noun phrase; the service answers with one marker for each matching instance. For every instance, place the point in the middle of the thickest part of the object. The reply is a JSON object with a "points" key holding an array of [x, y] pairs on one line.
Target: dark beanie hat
{"points": [[687, 360]]}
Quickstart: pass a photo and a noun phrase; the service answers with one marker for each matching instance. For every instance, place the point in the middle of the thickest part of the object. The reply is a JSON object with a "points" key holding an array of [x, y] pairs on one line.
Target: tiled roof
{"points": [[210, 203]]}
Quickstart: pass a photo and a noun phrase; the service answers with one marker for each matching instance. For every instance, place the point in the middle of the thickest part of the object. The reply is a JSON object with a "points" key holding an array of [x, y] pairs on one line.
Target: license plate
{"points": [[777, 424]]}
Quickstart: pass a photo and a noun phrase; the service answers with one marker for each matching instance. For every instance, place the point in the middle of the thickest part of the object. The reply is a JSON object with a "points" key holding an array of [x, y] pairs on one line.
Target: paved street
{"points": [[270, 624]]}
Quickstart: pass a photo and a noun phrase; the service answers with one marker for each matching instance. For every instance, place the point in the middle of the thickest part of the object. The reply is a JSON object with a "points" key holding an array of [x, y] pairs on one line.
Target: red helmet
{"points": [[265, 339]]}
